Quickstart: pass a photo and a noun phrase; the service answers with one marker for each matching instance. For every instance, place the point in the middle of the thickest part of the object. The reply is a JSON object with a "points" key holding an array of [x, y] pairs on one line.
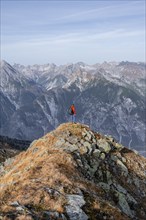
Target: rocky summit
{"points": [[73, 173]]}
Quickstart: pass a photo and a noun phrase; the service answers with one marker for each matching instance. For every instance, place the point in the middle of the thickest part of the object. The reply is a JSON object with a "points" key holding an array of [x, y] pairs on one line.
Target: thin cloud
{"points": [[80, 37], [69, 29], [126, 8]]}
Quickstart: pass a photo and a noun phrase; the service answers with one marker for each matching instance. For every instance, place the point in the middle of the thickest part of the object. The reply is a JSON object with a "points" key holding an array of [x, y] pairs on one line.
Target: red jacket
{"points": [[73, 109]]}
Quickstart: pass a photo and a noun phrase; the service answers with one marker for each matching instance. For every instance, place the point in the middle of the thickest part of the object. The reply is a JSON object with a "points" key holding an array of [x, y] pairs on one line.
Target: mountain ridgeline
{"points": [[109, 97], [74, 173]]}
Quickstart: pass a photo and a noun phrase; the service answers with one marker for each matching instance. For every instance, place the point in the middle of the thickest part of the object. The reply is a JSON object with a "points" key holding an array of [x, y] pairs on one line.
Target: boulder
{"points": [[122, 167], [73, 208], [96, 153], [103, 145], [123, 204]]}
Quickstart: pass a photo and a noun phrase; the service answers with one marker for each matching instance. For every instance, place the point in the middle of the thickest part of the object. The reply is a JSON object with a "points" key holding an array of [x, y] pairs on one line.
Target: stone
{"points": [[84, 133], [102, 156], [118, 146], [129, 180], [136, 152], [93, 140], [60, 142], [92, 134], [123, 159], [73, 209], [120, 189], [111, 139], [20, 208], [100, 174], [89, 136], [87, 139], [103, 145], [94, 146], [1, 169], [119, 155], [123, 204], [130, 198], [90, 150], [122, 166], [87, 144], [94, 162], [96, 153], [79, 144], [72, 139], [92, 171], [89, 147], [83, 150], [109, 176], [45, 152], [53, 215], [15, 204], [52, 192], [74, 200], [114, 157], [35, 149], [73, 148], [8, 161], [136, 182], [105, 186], [93, 168], [82, 141], [79, 162]]}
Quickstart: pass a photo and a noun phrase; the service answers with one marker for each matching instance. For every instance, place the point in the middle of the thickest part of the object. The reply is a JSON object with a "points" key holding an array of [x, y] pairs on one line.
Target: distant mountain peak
{"points": [[9, 68], [3, 63]]}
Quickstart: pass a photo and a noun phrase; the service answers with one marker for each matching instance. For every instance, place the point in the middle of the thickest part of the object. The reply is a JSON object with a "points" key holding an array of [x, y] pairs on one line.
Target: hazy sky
{"points": [[61, 32]]}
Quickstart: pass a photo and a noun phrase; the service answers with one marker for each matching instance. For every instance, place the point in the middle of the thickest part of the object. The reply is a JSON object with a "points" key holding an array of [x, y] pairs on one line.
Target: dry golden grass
{"points": [[45, 166], [96, 205], [95, 208], [24, 217], [20, 217], [33, 170], [139, 163]]}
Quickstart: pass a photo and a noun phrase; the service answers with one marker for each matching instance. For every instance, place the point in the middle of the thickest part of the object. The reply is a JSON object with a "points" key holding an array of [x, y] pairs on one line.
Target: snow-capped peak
{"points": [[3, 63]]}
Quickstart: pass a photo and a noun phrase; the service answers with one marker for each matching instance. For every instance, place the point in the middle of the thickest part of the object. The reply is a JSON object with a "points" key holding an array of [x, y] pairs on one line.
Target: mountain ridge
{"points": [[74, 173]]}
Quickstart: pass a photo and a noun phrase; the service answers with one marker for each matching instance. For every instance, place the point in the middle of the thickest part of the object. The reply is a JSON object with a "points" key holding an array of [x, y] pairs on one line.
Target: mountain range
{"points": [[109, 97]]}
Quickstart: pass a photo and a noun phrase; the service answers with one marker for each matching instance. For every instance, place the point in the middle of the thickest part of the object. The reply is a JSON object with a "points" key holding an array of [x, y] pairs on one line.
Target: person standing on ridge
{"points": [[72, 112]]}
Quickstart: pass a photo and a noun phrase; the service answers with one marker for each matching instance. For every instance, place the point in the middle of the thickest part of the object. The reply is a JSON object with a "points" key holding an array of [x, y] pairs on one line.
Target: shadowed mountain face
{"points": [[11, 147], [74, 173], [110, 97]]}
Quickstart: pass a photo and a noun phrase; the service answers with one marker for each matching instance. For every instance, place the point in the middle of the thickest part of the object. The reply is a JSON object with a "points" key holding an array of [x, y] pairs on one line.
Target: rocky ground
{"points": [[73, 173]]}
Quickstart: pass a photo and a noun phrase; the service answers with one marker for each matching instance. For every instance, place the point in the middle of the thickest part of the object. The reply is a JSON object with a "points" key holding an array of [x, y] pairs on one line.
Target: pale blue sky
{"points": [[71, 31]]}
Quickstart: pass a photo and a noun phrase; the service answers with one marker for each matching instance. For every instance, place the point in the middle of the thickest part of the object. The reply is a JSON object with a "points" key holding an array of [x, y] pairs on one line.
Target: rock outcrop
{"points": [[73, 173]]}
